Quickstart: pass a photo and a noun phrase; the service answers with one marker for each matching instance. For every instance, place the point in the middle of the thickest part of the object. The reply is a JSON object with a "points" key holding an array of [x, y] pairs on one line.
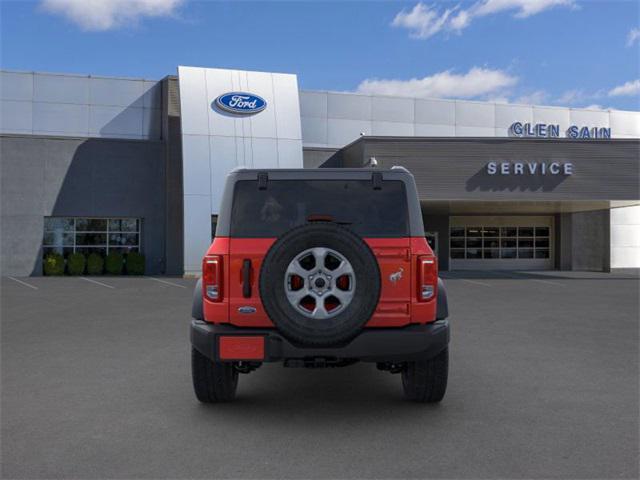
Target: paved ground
{"points": [[543, 383]]}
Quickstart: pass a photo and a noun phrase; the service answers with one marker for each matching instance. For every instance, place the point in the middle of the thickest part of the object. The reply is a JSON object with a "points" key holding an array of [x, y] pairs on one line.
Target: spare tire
{"points": [[319, 284]]}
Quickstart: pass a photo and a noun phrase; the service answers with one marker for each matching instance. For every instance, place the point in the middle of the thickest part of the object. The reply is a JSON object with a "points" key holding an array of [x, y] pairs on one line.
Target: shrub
{"points": [[113, 263], [95, 264], [135, 263], [53, 264], [76, 263]]}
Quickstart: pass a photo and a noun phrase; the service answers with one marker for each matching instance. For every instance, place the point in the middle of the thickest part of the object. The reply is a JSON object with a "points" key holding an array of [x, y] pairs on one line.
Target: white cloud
{"points": [[595, 106], [100, 15], [424, 22], [571, 97], [633, 36], [631, 87], [524, 8], [475, 83], [421, 21], [539, 97]]}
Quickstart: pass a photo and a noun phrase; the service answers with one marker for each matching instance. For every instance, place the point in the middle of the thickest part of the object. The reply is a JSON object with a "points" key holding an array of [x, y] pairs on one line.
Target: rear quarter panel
{"points": [[422, 312], [218, 311], [254, 249], [394, 260]]}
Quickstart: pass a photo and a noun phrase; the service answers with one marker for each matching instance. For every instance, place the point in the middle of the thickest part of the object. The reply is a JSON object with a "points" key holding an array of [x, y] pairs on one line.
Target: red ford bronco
{"points": [[320, 268]]}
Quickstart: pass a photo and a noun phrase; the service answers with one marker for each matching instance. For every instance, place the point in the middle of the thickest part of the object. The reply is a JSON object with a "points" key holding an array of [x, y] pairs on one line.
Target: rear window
{"points": [[285, 204]]}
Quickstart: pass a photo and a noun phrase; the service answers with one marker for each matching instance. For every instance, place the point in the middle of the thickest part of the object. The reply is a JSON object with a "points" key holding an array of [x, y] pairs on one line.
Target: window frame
{"points": [[108, 232], [479, 235]]}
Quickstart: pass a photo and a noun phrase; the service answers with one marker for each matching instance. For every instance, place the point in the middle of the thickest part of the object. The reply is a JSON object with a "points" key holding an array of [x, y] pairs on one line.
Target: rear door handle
{"points": [[246, 278]]}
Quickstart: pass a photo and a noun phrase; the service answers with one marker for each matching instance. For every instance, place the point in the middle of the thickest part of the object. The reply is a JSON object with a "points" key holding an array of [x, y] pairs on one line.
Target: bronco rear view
{"points": [[320, 268]]}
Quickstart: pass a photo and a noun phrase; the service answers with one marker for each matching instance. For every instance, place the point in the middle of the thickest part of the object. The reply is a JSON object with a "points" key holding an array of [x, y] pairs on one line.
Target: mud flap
{"points": [[442, 310], [196, 307]]}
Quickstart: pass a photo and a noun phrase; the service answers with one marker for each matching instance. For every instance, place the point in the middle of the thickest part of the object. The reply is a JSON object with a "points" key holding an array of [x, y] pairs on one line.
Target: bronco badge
{"points": [[395, 276]]}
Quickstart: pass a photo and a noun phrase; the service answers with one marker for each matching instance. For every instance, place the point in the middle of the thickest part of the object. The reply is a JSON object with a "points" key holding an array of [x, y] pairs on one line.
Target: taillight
{"points": [[212, 278], [427, 277]]}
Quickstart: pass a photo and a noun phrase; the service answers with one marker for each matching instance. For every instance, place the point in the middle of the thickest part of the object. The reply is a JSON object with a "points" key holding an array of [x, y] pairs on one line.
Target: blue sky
{"points": [[558, 52]]}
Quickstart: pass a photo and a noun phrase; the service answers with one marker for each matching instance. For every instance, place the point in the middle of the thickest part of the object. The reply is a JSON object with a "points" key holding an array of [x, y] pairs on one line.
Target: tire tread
{"points": [[213, 382], [425, 381]]}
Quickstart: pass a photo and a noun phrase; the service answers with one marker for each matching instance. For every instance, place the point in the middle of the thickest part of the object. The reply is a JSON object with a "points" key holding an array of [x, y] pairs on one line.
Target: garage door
{"points": [[501, 243]]}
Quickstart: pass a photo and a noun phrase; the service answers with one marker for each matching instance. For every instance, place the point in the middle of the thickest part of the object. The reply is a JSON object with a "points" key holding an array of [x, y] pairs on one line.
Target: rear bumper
{"points": [[371, 345]]}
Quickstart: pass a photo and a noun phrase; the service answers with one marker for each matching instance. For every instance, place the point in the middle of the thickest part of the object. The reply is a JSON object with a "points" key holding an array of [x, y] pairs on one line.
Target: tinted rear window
{"points": [[285, 204]]}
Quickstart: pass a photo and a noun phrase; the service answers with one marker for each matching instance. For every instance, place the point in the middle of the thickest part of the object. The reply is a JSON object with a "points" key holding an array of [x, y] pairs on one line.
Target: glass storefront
{"points": [[495, 242], [65, 235], [501, 242]]}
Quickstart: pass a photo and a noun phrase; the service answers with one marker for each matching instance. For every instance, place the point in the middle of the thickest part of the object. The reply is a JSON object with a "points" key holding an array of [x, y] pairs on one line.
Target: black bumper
{"points": [[371, 345]]}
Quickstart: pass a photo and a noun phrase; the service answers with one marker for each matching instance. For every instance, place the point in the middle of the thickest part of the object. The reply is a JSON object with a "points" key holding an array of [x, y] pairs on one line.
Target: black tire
{"points": [[213, 381], [343, 326], [426, 380]]}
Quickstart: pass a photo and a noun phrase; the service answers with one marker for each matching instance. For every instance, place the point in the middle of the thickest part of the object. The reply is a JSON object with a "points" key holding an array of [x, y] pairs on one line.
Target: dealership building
{"points": [[101, 164]]}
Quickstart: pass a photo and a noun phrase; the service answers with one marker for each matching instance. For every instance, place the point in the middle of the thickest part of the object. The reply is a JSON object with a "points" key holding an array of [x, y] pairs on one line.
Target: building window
{"points": [[499, 242], [65, 235]]}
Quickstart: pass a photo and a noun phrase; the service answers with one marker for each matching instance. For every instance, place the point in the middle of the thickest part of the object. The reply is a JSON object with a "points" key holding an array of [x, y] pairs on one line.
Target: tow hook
{"points": [[391, 367]]}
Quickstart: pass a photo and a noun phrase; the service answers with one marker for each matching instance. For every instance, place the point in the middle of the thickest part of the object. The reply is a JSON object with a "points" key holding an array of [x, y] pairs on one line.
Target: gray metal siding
{"points": [[333, 119], [590, 238], [316, 157], [45, 176], [455, 169], [79, 106], [172, 134]]}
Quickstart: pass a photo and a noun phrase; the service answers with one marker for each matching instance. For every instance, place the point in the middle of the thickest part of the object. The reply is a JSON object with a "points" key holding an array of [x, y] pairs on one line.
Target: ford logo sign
{"points": [[240, 103]]}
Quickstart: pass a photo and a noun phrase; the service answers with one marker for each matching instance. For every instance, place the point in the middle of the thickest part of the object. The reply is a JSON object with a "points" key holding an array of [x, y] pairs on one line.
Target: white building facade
{"points": [[62, 116]]}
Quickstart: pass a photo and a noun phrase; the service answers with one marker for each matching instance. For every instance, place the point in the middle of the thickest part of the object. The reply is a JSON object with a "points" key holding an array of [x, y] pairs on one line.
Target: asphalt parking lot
{"points": [[543, 384]]}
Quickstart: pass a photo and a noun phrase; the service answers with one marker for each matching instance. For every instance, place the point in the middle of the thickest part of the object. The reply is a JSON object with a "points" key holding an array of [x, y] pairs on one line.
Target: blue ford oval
{"points": [[241, 103]]}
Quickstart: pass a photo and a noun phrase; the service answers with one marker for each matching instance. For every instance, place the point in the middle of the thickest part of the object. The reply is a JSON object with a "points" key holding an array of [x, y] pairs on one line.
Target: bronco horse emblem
{"points": [[395, 276]]}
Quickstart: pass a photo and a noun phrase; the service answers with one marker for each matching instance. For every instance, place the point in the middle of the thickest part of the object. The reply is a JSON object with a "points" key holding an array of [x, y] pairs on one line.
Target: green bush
{"points": [[135, 263], [54, 264], [76, 263], [95, 264], [113, 263]]}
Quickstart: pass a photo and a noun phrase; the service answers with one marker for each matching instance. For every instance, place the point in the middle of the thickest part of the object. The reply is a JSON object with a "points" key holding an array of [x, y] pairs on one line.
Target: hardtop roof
{"points": [[330, 174]]}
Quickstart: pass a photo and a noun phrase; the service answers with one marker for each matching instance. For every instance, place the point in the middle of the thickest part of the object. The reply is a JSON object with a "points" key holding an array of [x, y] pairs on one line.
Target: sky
{"points": [[546, 52]]}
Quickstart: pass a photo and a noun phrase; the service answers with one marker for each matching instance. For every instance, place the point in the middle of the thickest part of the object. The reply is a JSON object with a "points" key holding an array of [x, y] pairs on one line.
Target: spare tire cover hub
{"points": [[320, 283]]}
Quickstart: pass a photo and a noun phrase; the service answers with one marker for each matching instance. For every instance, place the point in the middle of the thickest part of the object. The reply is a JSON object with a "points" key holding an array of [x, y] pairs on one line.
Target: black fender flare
{"points": [[197, 311], [442, 306]]}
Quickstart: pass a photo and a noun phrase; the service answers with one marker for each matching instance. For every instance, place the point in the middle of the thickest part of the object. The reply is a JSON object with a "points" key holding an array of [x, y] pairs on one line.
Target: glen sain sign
{"points": [[545, 130], [240, 103]]}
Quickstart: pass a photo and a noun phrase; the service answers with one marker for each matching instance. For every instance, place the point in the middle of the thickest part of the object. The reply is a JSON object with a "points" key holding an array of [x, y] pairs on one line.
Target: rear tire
{"points": [[425, 381], [290, 321], [213, 382]]}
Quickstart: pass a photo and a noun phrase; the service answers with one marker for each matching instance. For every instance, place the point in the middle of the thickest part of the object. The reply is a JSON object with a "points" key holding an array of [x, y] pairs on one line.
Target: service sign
{"points": [[530, 168], [240, 103]]}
